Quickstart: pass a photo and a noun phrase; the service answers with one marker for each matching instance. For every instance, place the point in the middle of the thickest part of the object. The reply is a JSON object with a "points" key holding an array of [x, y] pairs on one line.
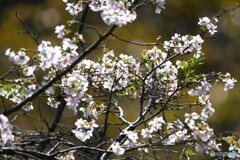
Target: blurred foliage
{"points": [[181, 16]]}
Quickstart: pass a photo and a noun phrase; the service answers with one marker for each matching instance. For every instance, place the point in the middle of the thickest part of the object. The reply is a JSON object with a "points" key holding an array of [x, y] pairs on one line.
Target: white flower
{"points": [[156, 124], [10, 54], [115, 12], [32, 87], [196, 44], [84, 129], [190, 119], [28, 71], [203, 99], [210, 25], [185, 44], [132, 138], [146, 133], [50, 56], [68, 156], [68, 44], [52, 102], [204, 21], [28, 107], [160, 6], [96, 5], [60, 31], [54, 54], [229, 82], [43, 47], [89, 111], [117, 149], [200, 90], [21, 58], [5, 130], [207, 111], [175, 137], [73, 9]]}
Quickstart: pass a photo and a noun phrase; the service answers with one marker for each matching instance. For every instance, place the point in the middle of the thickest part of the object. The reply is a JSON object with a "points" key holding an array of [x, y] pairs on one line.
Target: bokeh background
{"points": [[180, 16]]}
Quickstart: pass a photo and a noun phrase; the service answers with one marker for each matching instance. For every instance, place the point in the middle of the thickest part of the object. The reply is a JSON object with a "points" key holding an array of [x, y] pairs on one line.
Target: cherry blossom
{"points": [[28, 71], [229, 82], [160, 6], [209, 24], [60, 31], [84, 129], [6, 133], [132, 138], [73, 9], [200, 90], [19, 59], [117, 149]]}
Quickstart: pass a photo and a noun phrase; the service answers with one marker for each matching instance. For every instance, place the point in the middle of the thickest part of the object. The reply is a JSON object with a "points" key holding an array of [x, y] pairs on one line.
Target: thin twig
{"points": [[137, 43], [27, 30]]}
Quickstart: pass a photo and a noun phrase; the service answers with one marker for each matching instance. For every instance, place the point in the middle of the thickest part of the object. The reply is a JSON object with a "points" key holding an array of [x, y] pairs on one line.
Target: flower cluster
{"points": [[200, 90], [72, 8], [6, 131], [18, 59], [132, 138], [16, 93], [229, 82], [84, 130], [201, 131], [153, 126], [117, 149], [75, 85], [161, 72], [117, 12], [160, 5], [60, 30], [57, 57], [208, 24], [185, 44], [175, 132]]}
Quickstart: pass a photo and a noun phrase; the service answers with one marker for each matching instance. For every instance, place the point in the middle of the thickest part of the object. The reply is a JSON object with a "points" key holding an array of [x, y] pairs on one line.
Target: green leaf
{"points": [[189, 152]]}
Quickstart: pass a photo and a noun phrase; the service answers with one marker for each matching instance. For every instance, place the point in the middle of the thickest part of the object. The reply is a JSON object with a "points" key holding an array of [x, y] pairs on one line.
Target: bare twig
{"points": [[224, 10], [11, 70], [137, 43], [27, 30]]}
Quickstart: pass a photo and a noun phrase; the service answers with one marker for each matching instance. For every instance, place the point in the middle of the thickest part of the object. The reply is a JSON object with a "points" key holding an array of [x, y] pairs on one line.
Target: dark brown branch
{"points": [[25, 152], [227, 10], [83, 18], [58, 115], [108, 108], [78, 148]]}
